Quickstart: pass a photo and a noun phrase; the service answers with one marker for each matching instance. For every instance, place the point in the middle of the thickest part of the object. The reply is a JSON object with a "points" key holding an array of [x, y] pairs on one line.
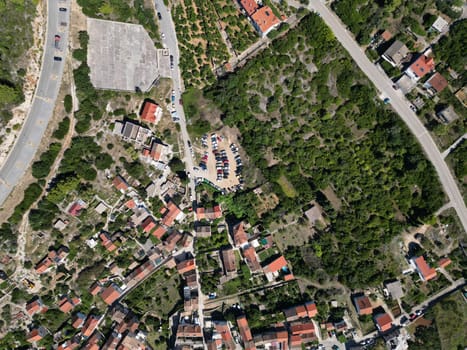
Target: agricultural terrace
{"points": [[201, 46]]}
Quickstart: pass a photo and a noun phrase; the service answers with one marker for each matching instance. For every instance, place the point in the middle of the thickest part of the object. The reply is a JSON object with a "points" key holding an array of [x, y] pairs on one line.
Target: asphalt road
{"points": [[167, 27], [398, 102], [43, 102]]}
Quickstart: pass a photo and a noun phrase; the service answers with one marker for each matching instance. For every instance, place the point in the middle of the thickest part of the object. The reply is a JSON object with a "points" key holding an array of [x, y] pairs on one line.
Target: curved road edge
{"points": [[43, 103], [398, 102]]}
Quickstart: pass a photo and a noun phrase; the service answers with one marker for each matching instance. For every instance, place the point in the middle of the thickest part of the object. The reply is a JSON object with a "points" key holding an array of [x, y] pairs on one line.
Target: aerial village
{"points": [[216, 283], [227, 271]]}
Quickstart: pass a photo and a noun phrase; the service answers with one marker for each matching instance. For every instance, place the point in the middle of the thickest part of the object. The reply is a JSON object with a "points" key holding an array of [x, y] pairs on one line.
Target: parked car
{"points": [[62, 9], [57, 58], [159, 15]]}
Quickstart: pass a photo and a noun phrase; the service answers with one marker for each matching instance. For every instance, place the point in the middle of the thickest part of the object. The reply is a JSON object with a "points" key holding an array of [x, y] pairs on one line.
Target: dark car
{"points": [[159, 15], [62, 9], [56, 58]]}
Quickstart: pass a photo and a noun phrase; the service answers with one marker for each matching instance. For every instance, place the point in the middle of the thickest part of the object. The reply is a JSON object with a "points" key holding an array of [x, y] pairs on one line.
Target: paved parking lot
{"points": [[220, 161], [122, 56]]}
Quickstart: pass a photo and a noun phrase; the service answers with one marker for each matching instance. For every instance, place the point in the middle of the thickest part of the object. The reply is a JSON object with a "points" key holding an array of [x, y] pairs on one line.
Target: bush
{"points": [[41, 168], [31, 194], [62, 129], [68, 103]]}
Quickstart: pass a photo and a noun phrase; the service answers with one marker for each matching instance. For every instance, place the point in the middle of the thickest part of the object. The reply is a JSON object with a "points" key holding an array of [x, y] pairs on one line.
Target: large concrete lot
{"points": [[122, 56]]}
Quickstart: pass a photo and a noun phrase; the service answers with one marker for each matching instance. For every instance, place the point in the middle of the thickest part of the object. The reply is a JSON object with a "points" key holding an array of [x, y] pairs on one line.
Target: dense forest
{"points": [[310, 122]]}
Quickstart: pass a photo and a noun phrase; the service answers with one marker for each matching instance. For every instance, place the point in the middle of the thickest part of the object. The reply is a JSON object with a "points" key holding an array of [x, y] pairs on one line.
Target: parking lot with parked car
{"points": [[219, 162]]}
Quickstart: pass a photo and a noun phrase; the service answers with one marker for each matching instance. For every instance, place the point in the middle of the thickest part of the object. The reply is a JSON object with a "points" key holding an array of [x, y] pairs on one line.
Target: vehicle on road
{"points": [[57, 58], [404, 320], [159, 15], [62, 9], [162, 35], [171, 62], [419, 312], [386, 100], [412, 317], [57, 41]]}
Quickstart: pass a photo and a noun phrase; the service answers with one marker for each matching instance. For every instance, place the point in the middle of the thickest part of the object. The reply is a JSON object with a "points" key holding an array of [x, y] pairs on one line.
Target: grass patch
{"points": [[451, 320], [287, 187]]}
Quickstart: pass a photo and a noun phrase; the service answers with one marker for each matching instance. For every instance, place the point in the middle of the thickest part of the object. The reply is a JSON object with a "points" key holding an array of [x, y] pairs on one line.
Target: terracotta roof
{"points": [[311, 309], [301, 311], [189, 331], [159, 231], [363, 305], [289, 277], [34, 306], [149, 112], [42, 266], [250, 6], [78, 320], [251, 258], [265, 19], [172, 240], [95, 288], [437, 82], [111, 293], [156, 150], [239, 235], [90, 325], [209, 213], [229, 261], [75, 209], [36, 334], [425, 271], [444, 262], [65, 304], [148, 224], [186, 266], [276, 265], [302, 328], [107, 242], [120, 183], [131, 204], [422, 66], [223, 329], [386, 35], [383, 322], [244, 328], [171, 214]]}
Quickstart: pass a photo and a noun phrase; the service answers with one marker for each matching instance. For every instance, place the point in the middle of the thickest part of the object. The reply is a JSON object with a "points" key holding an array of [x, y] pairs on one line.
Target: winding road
{"points": [[398, 102], [25, 147]]}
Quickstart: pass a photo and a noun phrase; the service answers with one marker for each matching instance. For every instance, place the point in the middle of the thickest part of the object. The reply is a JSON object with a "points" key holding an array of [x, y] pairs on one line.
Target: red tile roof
{"points": [[251, 258], [383, 322], [250, 6], [171, 214], [159, 231], [156, 151], [386, 35], [422, 66], [148, 224], [111, 293], [90, 325], [120, 183], [186, 266], [363, 305], [302, 328], [149, 112], [65, 304], [95, 288], [276, 265], [311, 309], [265, 19], [75, 209], [107, 242], [444, 262], [427, 272], [229, 261], [437, 82], [224, 330], [36, 334], [130, 204], [239, 235], [43, 265], [34, 306], [244, 328]]}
